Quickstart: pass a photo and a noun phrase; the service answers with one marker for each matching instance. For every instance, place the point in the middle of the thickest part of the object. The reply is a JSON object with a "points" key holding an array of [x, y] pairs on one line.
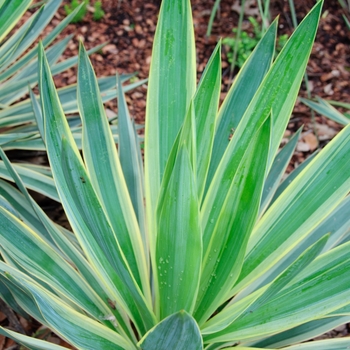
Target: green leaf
{"points": [[179, 246], [10, 12], [299, 209], [32, 179], [326, 109], [227, 316], [38, 22], [78, 329], [30, 342], [21, 295], [106, 174], [31, 69], [319, 289], [131, 161], [14, 88], [101, 241], [246, 348], [302, 333], [37, 113], [22, 112], [11, 45], [65, 242], [227, 236], [336, 224], [240, 94], [275, 96], [72, 178], [186, 137], [327, 344], [172, 84], [21, 62], [206, 102], [290, 178], [339, 104], [7, 297], [41, 260], [277, 170], [177, 332], [22, 210]]}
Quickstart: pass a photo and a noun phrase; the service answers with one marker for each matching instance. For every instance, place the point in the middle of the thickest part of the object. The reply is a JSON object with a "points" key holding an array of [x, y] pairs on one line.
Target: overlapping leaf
{"points": [[10, 12], [240, 95], [292, 219], [177, 332], [224, 248], [246, 256], [76, 199], [171, 88]]}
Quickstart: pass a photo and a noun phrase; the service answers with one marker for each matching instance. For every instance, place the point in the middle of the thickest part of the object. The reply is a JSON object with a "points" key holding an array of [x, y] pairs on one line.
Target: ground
{"points": [[128, 28]]}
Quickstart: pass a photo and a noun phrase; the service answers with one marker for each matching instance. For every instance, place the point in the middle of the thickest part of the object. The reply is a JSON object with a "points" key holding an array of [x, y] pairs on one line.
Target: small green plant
{"points": [[98, 11], [82, 11], [208, 249], [327, 109], [247, 42]]}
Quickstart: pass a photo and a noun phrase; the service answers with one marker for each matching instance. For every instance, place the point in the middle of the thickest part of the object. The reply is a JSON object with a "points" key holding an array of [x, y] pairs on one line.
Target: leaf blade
{"points": [[179, 246], [171, 87], [177, 332], [106, 174], [228, 236]]}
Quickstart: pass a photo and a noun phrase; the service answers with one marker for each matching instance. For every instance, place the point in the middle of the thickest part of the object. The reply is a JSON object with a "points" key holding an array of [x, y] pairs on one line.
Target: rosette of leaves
{"points": [[18, 70], [207, 250]]}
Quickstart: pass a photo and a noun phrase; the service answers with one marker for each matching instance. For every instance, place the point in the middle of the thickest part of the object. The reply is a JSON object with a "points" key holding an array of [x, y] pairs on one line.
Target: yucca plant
{"points": [[208, 249]]}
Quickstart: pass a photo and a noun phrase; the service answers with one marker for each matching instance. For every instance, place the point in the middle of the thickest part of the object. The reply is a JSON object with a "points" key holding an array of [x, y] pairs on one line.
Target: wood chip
{"points": [[311, 140]]}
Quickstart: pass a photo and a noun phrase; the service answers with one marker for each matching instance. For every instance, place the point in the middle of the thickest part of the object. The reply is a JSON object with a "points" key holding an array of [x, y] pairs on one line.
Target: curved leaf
{"points": [[179, 246], [177, 332], [10, 12], [131, 161], [326, 109], [122, 287], [206, 101], [323, 287], [302, 333], [30, 342]]}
